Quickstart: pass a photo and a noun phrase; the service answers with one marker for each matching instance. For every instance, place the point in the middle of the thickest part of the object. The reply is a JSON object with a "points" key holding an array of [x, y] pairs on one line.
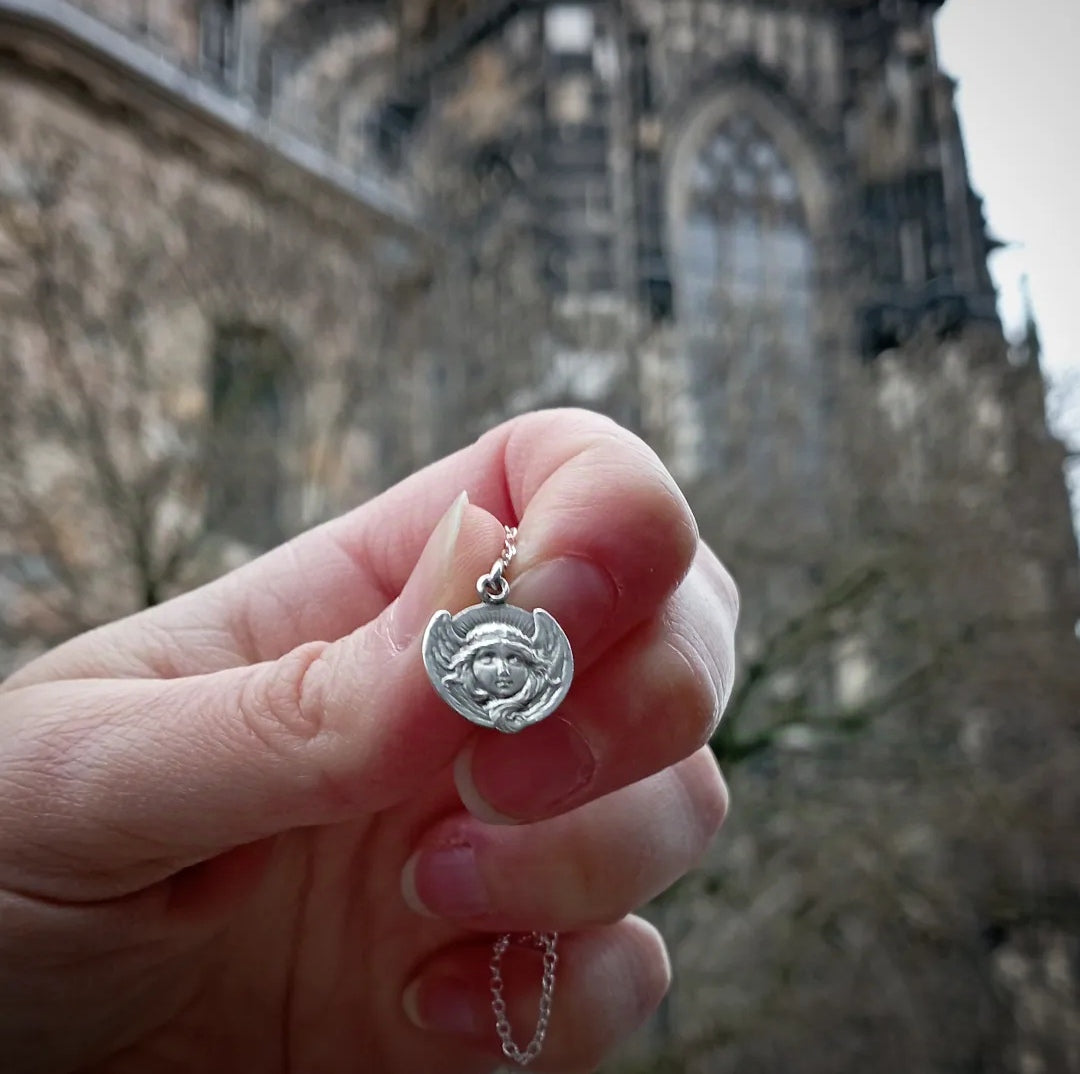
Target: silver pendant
{"points": [[497, 665]]}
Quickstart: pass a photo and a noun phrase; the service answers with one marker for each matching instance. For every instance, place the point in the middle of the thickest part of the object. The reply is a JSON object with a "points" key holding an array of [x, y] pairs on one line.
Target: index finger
{"points": [[328, 731], [580, 486]]}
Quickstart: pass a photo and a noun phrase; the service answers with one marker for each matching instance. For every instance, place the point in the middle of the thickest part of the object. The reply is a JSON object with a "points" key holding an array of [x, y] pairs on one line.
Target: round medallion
{"points": [[498, 665]]}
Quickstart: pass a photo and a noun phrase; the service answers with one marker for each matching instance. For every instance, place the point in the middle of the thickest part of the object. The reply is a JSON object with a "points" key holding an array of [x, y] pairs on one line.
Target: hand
{"points": [[231, 831]]}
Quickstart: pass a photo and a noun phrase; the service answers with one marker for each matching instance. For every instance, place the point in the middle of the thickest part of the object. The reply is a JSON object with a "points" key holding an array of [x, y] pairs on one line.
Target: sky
{"points": [[1018, 67]]}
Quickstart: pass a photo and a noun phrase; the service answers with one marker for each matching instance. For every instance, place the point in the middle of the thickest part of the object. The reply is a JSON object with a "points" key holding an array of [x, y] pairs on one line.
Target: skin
{"points": [[232, 831], [499, 669]]}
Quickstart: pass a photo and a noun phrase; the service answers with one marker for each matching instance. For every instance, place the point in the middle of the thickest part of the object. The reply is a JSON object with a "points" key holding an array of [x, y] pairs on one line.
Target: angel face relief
{"points": [[499, 666]]}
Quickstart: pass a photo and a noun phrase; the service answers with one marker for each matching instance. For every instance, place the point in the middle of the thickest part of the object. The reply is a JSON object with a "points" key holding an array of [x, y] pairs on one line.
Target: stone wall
{"points": [[126, 260]]}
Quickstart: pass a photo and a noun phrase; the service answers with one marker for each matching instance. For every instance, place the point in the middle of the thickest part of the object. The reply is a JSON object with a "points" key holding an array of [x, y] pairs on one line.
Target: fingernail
{"points": [[579, 594], [526, 776], [442, 1005], [416, 603], [445, 882]]}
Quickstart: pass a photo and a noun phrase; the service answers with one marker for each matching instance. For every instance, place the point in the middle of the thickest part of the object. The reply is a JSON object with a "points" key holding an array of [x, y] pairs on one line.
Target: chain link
{"points": [[494, 589], [493, 586], [509, 546], [546, 942]]}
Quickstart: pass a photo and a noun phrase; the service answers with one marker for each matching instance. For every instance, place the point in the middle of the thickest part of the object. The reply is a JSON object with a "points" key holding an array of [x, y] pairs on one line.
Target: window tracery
{"points": [[745, 271]]}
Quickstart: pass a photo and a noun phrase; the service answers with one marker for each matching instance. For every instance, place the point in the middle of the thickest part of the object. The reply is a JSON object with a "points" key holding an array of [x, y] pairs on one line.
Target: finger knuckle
{"points": [[285, 706]]}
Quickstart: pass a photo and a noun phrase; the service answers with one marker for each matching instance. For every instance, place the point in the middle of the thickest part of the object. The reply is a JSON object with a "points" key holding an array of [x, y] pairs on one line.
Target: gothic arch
{"points": [[748, 210], [302, 32], [752, 95], [309, 25]]}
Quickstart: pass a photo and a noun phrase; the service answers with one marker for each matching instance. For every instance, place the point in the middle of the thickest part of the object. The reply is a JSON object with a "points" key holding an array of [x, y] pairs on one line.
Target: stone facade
{"points": [[291, 249], [187, 306]]}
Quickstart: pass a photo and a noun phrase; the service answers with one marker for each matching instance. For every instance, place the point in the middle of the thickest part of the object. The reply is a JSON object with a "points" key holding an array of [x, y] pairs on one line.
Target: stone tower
{"points": [[730, 203], [831, 119], [719, 196], [765, 183]]}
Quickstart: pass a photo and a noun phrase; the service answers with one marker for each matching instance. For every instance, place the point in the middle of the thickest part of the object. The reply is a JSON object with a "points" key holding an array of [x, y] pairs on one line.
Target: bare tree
{"points": [[893, 889], [183, 385]]}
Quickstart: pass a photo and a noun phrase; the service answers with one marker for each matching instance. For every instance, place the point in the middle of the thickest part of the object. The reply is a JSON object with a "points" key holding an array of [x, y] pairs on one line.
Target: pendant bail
{"points": [[498, 665], [493, 586]]}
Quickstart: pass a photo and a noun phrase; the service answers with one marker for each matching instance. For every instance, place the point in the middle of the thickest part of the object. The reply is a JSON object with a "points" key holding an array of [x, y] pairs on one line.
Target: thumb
{"points": [[118, 783]]}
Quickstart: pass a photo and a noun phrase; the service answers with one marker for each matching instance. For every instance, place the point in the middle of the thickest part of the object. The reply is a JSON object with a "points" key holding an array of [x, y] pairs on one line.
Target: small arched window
{"points": [[219, 40], [744, 266], [250, 388]]}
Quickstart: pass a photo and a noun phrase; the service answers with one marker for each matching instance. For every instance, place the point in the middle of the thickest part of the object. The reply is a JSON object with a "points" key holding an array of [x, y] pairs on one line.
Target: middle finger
{"points": [[649, 702]]}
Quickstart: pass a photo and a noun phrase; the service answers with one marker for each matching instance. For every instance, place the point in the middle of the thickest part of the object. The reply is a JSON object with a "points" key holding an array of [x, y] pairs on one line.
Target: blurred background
{"points": [[261, 258]]}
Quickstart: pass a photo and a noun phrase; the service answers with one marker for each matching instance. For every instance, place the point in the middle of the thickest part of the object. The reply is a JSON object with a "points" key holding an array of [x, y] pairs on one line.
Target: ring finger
{"points": [[587, 867]]}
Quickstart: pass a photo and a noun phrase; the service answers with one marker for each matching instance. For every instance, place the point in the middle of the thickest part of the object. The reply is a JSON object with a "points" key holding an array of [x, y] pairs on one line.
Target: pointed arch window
{"points": [[744, 268], [219, 39]]}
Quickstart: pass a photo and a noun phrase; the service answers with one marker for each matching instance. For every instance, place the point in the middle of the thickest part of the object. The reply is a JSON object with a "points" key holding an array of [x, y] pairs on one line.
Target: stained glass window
{"points": [[745, 271]]}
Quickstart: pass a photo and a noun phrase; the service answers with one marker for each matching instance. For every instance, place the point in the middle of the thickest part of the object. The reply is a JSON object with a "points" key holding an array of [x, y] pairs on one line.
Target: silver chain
{"points": [[494, 589], [509, 546], [493, 586], [545, 941]]}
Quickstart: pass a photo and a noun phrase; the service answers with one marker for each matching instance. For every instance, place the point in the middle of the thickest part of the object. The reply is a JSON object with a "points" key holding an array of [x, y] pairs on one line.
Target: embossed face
{"points": [[500, 669]]}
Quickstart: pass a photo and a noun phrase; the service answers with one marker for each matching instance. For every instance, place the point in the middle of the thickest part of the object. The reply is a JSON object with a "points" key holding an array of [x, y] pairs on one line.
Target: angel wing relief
{"points": [[499, 666]]}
